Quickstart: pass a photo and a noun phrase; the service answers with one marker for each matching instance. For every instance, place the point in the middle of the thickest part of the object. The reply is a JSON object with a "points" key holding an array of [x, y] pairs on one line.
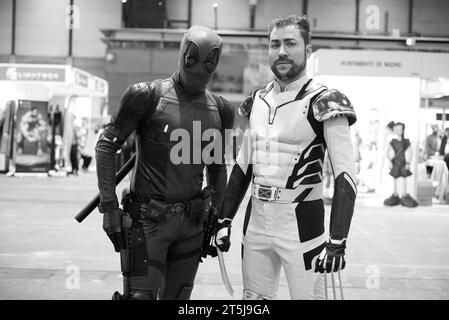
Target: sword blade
{"points": [[224, 273], [341, 285], [333, 285], [325, 286]]}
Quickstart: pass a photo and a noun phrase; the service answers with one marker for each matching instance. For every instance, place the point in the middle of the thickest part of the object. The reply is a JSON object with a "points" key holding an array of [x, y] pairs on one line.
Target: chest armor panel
{"points": [[287, 151]]}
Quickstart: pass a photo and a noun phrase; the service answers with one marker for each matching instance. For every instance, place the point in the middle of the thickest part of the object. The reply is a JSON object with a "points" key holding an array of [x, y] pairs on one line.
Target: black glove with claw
{"points": [[331, 259]]}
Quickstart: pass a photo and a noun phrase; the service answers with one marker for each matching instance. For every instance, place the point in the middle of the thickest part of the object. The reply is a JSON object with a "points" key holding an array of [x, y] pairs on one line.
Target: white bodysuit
{"points": [[283, 147]]}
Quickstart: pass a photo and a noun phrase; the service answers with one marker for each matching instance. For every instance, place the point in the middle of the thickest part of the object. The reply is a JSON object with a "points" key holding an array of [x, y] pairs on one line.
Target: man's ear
{"points": [[308, 50]]}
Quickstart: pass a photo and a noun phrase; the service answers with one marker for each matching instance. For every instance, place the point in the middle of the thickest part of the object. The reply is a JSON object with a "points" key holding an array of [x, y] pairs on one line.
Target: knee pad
{"points": [[134, 295], [250, 295], [141, 295], [118, 296], [138, 288]]}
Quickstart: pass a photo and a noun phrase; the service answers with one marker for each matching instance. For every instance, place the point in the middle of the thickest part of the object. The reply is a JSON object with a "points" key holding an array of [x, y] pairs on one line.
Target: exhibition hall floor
{"points": [[393, 253]]}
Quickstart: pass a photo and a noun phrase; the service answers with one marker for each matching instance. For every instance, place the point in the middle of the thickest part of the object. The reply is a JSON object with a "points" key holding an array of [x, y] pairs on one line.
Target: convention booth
{"points": [[387, 86], [41, 105]]}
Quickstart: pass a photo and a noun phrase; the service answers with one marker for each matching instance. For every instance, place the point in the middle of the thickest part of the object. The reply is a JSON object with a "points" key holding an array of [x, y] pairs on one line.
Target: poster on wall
{"points": [[32, 132]]}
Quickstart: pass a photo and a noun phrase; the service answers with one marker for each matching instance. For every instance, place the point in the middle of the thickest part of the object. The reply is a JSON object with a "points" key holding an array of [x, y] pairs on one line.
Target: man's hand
{"points": [[112, 225], [223, 235], [331, 259]]}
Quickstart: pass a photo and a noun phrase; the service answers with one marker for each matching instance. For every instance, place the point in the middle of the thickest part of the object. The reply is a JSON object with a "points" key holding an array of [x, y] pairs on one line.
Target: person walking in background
{"points": [[88, 146], [444, 147], [431, 147], [74, 154], [399, 154]]}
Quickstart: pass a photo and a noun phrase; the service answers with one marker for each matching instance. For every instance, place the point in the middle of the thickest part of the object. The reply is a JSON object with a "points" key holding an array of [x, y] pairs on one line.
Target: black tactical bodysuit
{"points": [[177, 121]]}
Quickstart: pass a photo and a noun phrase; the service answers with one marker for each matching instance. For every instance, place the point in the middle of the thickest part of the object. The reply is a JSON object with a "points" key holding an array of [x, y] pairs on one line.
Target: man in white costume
{"points": [[290, 123]]}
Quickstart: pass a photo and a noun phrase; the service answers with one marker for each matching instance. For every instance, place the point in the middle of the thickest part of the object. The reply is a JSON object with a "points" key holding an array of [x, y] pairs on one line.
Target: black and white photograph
{"points": [[219, 151]]}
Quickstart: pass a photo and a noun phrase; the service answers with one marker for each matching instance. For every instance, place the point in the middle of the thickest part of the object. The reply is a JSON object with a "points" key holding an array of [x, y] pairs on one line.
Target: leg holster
{"points": [[133, 260]]}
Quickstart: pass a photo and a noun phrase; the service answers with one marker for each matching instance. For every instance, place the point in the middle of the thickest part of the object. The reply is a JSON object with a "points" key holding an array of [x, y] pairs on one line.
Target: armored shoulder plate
{"points": [[332, 103], [244, 109]]}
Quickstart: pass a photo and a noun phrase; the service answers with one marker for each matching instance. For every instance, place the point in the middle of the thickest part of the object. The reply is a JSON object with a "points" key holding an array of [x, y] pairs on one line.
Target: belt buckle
{"points": [[266, 193], [144, 210], [177, 208]]}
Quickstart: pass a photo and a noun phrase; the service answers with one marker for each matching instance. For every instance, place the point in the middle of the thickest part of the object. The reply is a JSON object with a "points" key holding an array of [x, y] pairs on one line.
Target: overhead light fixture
{"points": [[215, 5], [110, 57]]}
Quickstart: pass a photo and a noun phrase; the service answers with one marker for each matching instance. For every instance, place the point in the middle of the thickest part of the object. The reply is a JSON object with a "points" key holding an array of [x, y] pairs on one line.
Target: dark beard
{"points": [[295, 70]]}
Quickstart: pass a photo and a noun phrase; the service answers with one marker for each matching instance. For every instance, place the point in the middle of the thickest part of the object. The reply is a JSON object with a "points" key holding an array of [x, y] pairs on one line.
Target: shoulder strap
{"points": [[219, 106]]}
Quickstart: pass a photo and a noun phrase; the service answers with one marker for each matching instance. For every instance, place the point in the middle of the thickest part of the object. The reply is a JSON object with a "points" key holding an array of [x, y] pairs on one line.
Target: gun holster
{"points": [[133, 258], [199, 207]]}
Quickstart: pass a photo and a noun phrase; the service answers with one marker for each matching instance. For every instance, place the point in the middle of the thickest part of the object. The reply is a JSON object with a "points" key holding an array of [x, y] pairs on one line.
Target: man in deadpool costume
{"points": [[159, 231]]}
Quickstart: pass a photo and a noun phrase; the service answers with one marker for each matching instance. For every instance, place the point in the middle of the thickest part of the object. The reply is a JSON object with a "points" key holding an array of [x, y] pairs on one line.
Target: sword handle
{"points": [[96, 200]]}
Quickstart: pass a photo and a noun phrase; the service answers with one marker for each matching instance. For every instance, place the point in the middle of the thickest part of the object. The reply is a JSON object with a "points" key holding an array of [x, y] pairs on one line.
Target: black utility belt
{"points": [[159, 211]]}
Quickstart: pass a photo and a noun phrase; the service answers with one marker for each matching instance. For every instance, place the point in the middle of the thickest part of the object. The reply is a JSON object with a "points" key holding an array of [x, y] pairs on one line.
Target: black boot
{"points": [[392, 201]]}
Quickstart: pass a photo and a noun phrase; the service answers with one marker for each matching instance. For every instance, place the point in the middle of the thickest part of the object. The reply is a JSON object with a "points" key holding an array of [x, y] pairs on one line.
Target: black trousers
{"points": [[171, 256], [86, 161], [74, 157]]}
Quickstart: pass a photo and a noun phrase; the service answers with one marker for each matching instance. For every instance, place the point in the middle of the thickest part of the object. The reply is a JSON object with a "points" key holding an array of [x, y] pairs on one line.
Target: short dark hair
{"points": [[400, 124], [302, 22], [390, 125]]}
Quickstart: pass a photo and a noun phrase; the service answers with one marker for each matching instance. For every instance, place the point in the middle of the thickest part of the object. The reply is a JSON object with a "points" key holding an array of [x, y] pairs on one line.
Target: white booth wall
{"points": [[383, 86], [377, 101]]}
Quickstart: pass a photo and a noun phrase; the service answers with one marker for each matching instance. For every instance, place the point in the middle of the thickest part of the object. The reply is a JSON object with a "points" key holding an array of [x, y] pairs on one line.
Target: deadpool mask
{"points": [[198, 58]]}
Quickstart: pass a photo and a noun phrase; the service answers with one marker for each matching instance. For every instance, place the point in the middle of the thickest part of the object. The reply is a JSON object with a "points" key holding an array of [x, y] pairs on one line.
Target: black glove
{"points": [[112, 225], [223, 234], [331, 259]]}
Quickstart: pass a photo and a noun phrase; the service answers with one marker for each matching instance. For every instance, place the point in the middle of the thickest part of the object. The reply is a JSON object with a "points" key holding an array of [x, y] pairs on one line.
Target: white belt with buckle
{"points": [[267, 193]]}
